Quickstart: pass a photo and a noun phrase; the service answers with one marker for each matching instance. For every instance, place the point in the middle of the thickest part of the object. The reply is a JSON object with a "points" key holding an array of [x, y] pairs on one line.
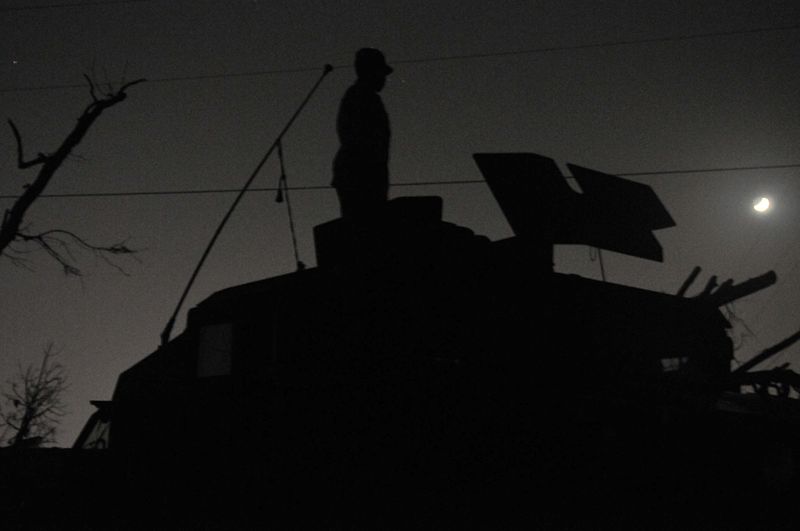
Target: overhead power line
{"points": [[604, 44], [433, 59], [710, 170], [396, 184], [13, 9]]}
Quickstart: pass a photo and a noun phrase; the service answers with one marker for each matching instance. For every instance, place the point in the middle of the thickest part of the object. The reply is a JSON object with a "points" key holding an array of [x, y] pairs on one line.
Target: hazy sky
{"points": [[652, 101]]}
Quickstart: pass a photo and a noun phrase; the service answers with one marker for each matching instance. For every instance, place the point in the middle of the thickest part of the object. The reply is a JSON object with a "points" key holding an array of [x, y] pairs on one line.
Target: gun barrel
{"points": [[768, 353], [732, 293]]}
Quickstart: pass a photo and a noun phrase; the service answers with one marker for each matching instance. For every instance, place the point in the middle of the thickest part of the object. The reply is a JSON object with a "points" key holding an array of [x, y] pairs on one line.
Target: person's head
{"points": [[371, 68]]}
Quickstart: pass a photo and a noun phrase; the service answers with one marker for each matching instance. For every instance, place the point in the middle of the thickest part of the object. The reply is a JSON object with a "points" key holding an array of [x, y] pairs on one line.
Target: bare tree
{"points": [[32, 403], [57, 243]]}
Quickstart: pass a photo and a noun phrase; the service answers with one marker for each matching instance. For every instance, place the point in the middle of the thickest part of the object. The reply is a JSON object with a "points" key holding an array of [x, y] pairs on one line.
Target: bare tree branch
{"points": [[59, 243], [33, 407], [68, 268], [21, 163], [129, 84], [13, 219], [18, 261], [91, 87]]}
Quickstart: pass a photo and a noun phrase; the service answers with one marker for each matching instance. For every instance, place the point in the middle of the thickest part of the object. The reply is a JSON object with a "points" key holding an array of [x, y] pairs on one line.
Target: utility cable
{"points": [[604, 44], [14, 9], [395, 184], [434, 59]]}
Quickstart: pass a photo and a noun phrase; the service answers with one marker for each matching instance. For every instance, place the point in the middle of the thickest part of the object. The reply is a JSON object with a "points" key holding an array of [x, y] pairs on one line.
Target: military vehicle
{"points": [[424, 376]]}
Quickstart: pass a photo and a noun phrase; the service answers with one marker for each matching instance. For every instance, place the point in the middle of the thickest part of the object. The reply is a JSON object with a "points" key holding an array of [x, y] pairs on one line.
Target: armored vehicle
{"points": [[422, 375]]}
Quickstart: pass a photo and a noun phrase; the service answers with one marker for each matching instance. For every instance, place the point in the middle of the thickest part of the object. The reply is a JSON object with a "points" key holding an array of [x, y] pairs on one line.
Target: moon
{"points": [[761, 205]]}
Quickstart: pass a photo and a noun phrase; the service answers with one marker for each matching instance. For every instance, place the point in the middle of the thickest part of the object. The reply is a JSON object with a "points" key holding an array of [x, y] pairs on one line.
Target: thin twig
{"points": [[92, 92], [21, 163], [48, 241]]}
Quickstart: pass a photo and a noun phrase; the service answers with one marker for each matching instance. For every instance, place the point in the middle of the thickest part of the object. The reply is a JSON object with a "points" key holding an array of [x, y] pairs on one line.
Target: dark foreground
{"points": [[721, 473]]}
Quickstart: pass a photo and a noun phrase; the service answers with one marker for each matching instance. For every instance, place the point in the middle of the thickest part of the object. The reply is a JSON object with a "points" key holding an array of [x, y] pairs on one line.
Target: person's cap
{"points": [[372, 60]]}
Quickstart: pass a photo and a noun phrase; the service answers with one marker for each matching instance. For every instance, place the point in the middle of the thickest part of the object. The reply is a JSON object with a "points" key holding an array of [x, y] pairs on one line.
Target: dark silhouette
{"points": [[32, 405], [361, 166], [424, 377]]}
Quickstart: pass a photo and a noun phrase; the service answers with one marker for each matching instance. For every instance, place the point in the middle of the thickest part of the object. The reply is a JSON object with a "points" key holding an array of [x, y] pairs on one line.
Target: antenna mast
{"points": [[171, 323]]}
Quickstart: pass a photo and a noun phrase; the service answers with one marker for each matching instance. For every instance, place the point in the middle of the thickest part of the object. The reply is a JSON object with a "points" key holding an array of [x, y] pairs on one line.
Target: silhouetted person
{"points": [[361, 166]]}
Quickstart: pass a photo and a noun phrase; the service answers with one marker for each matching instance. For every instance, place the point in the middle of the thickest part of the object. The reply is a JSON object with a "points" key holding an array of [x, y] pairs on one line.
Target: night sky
{"points": [[618, 86]]}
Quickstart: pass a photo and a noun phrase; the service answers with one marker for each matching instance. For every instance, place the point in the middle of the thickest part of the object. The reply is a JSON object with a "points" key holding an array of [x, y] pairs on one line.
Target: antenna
{"points": [[283, 193], [171, 323]]}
